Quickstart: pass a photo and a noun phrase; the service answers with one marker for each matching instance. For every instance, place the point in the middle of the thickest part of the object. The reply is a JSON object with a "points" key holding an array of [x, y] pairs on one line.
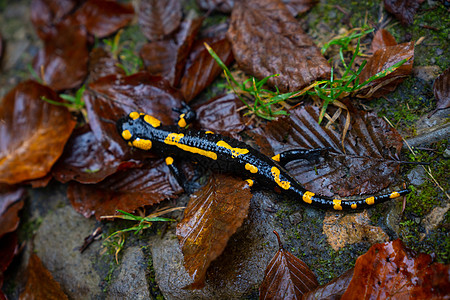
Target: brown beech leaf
{"points": [[333, 289], [212, 216], [404, 10], [126, 190], [114, 96], [369, 163], [203, 69], [266, 40], [382, 39], [381, 60], [166, 58], [224, 6], [392, 271], [441, 90], [101, 63], [299, 6], [8, 248], [46, 13], [159, 18], [8, 195], [9, 220], [342, 230], [86, 160], [63, 62], [221, 115], [40, 282], [103, 17], [33, 132], [286, 277]]}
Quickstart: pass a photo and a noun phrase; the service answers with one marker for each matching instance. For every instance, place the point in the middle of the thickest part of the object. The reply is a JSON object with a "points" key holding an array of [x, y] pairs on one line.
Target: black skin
{"points": [[213, 151]]}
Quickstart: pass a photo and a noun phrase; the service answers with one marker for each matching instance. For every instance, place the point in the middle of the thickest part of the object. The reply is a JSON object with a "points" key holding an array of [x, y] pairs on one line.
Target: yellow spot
{"points": [[370, 200], [235, 152], [276, 176], [182, 121], [276, 157], [174, 139], [354, 205], [130, 144], [142, 144], [250, 182], [337, 204], [169, 160], [394, 195], [134, 115], [307, 197], [209, 132], [251, 168], [152, 121], [141, 114], [126, 134]]}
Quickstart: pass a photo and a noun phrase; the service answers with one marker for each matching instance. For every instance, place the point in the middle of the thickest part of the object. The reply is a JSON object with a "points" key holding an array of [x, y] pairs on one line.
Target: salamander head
{"points": [[136, 129]]}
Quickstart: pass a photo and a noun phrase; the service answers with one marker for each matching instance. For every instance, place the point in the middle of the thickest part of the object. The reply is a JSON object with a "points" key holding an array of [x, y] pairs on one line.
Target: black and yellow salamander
{"points": [[225, 154]]}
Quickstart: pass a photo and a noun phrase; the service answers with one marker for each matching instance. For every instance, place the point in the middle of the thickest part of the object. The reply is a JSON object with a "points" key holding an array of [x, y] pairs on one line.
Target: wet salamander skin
{"points": [[228, 155]]}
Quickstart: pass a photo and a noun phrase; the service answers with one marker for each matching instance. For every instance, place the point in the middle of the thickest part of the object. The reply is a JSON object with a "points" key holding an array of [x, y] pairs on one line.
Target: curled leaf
{"points": [[159, 18], [33, 132], [404, 10], [333, 289], [9, 220], [213, 214], [382, 39], [441, 90]]}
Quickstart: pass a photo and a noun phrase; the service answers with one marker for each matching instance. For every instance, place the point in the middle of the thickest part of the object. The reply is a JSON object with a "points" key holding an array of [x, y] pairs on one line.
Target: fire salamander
{"points": [[225, 154]]}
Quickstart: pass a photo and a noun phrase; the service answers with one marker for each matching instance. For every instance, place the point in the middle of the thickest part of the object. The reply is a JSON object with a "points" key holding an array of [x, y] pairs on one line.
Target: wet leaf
{"points": [[101, 63], [8, 195], [297, 7], [221, 115], [332, 290], [46, 13], [104, 17], [391, 270], [63, 62], [86, 160], [40, 282], [369, 163], [33, 132], [381, 60], [342, 230], [8, 248], [9, 220], [266, 40], [210, 219], [382, 39], [203, 69], [126, 190], [159, 18], [441, 90], [114, 96], [166, 58], [286, 277], [404, 10], [224, 6]]}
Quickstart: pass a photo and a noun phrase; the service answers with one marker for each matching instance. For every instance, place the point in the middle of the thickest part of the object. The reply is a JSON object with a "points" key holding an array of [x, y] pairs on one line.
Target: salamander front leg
{"points": [[179, 175], [187, 115], [295, 154]]}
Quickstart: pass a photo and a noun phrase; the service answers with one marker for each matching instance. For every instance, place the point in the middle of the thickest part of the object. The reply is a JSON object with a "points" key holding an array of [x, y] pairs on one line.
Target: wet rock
{"points": [[417, 176], [131, 282], [56, 243], [427, 73], [235, 274]]}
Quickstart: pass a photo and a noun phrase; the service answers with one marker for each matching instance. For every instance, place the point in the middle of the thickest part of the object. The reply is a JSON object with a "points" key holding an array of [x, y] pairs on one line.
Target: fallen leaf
{"points": [[126, 190], [202, 69], [297, 7], [369, 163], [441, 90], [212, 216], [342, 230], [40, 282], [9, 220], [266, 40], [224, 6], [404, 10], [33, 132], [333, 289], [286, 277], [101, 63], [166, 58], [8, 195], [101, 18], [159, 18], [381, 60], [382, 39], [63, 62], [390, 270], [8, 248]]}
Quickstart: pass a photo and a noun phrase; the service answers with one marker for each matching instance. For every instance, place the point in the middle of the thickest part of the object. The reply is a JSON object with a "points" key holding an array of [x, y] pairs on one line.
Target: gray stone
{"points": [[417, 176], [427, 73], [56, 243], [131, 282]]}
